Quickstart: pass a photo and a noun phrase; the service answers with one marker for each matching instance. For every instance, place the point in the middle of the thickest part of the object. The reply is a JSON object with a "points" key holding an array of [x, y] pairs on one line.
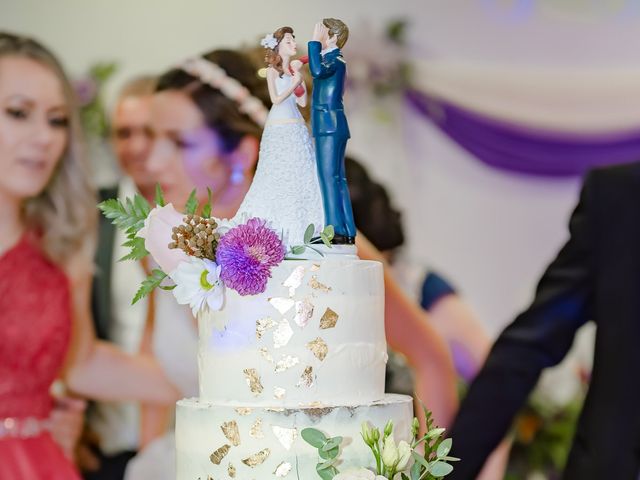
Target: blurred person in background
{"points": [[201, 139], [47, 240], [113, 435], [595, 276]]}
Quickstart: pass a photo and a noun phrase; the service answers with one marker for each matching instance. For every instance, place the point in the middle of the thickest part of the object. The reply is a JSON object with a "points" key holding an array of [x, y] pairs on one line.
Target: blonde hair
{"points": [[141, 86], [339, 28], [64, 214]]}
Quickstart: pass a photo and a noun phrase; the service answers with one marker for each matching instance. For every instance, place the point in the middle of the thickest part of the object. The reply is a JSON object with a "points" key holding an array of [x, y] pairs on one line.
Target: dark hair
{"points": [[220, 112], [373, 213], [272, 57]]}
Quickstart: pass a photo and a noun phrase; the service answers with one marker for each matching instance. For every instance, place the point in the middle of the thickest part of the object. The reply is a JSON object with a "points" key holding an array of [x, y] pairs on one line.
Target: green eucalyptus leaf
{"points": [[444, 448], [298, 249], [313, 437], [440, 469], [420, 460], [326, 473], [308, 233], [325, 239], [415, 470], [329, 231], [326, 464], [331, 443], [328, 454]]}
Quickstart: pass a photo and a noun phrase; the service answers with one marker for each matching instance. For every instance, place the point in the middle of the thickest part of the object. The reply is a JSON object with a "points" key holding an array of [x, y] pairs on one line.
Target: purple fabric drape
{"points": [[525, 149]]}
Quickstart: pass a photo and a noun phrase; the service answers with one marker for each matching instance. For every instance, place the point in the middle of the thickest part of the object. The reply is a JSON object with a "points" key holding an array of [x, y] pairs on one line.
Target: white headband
{"points": [[215, 76]]}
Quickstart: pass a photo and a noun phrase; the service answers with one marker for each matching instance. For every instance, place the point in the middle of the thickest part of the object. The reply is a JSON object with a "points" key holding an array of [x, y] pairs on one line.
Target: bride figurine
{"points": [[285, 190]]}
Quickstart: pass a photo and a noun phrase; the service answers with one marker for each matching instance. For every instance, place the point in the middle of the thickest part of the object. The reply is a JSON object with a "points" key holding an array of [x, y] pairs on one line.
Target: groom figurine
{"points": [[329, 125]]}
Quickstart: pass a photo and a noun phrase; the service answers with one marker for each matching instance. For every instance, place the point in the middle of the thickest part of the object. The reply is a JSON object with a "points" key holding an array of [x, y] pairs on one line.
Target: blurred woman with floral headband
{"points": [[47, 230], [207, 117]]}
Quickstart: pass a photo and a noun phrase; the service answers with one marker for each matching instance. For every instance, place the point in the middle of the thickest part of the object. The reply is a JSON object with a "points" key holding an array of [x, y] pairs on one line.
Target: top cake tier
{"points": [[315, 336]]}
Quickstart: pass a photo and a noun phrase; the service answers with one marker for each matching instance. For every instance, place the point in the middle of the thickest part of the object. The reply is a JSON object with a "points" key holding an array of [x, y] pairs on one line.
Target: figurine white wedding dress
{"points": [[285, 186]]}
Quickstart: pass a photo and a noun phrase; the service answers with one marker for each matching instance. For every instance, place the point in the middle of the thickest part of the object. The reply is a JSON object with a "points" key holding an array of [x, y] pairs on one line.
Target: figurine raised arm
{"points": [[329, 125]]}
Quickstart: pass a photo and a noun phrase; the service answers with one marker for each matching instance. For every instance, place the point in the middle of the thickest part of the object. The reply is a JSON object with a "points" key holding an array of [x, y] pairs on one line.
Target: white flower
{"points": [[198, 284], [269, 41], [390, 454], [404, 451], [358, 474]]}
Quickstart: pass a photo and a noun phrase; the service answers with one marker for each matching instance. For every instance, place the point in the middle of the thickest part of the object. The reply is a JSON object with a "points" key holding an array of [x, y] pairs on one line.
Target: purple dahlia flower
{"points": [[246, 254]]}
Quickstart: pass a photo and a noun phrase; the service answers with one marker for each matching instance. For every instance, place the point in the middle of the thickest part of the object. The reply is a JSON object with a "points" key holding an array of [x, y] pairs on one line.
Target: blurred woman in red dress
{"points": [[47, 223]]}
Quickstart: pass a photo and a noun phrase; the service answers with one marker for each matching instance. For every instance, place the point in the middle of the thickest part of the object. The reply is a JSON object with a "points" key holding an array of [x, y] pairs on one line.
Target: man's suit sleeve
{"points": [[538, 338], [317, 66], [101, 290]]}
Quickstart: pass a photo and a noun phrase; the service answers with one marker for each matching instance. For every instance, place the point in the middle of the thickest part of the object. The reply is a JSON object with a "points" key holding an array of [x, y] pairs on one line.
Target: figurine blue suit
{"points": [[331, 132]]}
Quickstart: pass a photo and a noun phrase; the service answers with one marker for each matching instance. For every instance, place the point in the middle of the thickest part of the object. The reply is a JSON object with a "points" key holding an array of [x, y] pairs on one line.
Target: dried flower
{"points": [[197, 237]]}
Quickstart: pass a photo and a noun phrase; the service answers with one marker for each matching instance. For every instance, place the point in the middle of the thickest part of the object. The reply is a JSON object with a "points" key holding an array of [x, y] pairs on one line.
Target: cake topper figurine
{"points": [[329, 125], [285, 189]]}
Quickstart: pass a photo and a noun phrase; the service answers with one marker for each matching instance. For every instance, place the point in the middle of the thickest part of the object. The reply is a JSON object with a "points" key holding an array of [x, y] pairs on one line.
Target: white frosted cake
{"points": [[309, 351]]}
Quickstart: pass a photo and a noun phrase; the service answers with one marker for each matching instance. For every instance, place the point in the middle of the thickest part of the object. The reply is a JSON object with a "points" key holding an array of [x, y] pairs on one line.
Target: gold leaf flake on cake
{"points": [[304, 312], [315, 267], [253, 380], [231, 470], [282, 470], [231, 431], [217, 456], [316, 285], [282, 334], [294, 280], [306, 379], [274, 409], [286, 362], [279, 393], [319, 348], [286, 436], [265, 354], [262, 325], [282, 305], [329, 319], [243, 411], [256, 429], [257, 458]]}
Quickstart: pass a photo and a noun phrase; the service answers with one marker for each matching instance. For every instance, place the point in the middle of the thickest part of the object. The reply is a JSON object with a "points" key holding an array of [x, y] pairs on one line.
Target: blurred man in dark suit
{"points": [[596, 276]]}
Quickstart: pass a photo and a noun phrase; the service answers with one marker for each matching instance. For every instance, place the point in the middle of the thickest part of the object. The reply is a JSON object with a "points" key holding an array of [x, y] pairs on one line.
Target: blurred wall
{"points": [[490, 232]]}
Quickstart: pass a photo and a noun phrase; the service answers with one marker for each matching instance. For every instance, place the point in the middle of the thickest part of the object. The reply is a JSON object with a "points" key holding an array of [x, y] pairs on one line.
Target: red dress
{"points": [[35, 325]]}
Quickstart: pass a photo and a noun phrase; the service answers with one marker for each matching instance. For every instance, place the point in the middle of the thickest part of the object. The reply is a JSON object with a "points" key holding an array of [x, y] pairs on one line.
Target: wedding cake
{"points": [[308, 351], [291, 330]]}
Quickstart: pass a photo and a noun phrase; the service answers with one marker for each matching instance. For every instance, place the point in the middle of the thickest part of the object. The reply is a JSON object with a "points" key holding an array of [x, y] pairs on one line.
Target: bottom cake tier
{"points": [[257, 443]]}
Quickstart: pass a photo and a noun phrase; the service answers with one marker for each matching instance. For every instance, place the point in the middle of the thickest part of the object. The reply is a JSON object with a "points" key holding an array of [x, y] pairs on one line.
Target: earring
{"points": [[237, 176]]}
